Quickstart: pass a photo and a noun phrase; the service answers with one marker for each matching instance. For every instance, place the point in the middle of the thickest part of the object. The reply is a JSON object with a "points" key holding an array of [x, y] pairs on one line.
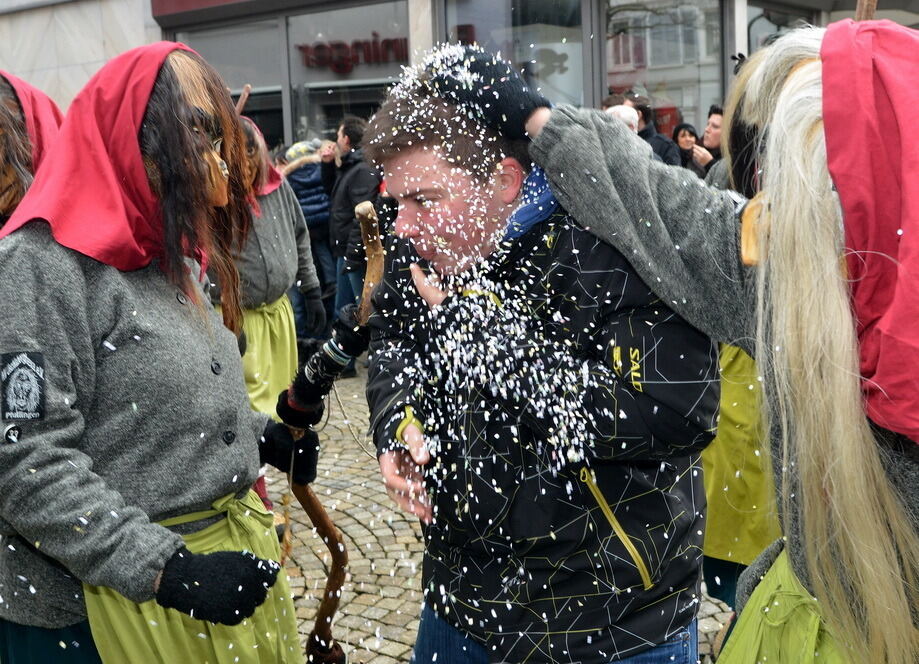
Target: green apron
{"points": [[127, 632], [781, 625], [270, 361], [741, 517]]}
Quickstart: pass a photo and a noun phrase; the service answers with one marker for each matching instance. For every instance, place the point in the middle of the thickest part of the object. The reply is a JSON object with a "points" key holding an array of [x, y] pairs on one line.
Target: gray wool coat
{"points": [[128, 407], [683, 239]]}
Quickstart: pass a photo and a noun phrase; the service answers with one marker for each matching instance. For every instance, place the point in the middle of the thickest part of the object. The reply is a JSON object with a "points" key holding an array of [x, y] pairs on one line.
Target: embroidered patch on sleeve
{"points": [[22, 386]]}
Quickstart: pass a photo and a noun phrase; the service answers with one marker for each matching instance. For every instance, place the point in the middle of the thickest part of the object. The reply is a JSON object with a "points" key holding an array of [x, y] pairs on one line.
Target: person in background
{"points": [[303, 173], [708, 154], [350, 183], [686, 138], [275, 255], [615, 99], [663, 147], [625, 113]]}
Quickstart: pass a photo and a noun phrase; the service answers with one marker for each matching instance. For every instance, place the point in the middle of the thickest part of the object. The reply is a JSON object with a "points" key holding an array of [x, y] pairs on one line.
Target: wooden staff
{"points": [[322, 648], [864, 10], [376, 254], [243, 98]]}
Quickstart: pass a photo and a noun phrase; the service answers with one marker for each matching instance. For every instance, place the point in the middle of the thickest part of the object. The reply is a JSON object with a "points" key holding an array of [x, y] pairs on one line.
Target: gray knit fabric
{"points": [[682, 237], [145, 417], [674, 230], [277, 254]]}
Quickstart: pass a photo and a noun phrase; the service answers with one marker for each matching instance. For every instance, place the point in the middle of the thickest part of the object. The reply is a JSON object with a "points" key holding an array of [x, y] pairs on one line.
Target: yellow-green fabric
{"points": [[781, 624], [124, 631], [740, 519], [270, 361]]}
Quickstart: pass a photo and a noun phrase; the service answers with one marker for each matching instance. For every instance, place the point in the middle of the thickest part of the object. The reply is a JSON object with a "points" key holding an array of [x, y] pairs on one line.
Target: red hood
{"points": [[42, 117], [93, 188], [870, 98]]}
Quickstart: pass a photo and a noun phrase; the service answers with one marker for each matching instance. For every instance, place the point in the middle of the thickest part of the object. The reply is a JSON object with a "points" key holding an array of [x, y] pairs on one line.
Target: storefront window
{"points": [[768, 21], [669, 51], [247, 53], [342, 62], [542, 38]]}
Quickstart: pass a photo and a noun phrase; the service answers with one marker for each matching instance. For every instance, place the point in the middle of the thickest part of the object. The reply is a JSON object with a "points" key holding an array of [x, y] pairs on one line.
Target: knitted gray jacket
{"points": [[130, 409], [683, 239], [277, 253]]}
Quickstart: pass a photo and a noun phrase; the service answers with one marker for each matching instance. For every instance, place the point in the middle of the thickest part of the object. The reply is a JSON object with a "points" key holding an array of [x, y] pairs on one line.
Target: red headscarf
{"points": [[42, 116], [93, 189], [870, 100]]}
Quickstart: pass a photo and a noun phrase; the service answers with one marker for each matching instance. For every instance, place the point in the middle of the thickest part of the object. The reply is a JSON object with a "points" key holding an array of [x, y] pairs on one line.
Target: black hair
{"points": [[643, 105], [715, 109], [354, 128]]}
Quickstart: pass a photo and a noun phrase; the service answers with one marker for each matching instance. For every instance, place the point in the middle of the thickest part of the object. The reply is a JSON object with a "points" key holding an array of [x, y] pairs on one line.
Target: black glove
{"points": [[352, 338], [222, 587], [278, 448], [490, 86], [315, 311]]}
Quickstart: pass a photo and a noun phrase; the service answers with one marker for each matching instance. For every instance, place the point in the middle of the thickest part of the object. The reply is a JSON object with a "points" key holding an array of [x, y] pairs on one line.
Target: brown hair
{"points": [[16, 167], [256, 155], [188, 107], [416, 118]]}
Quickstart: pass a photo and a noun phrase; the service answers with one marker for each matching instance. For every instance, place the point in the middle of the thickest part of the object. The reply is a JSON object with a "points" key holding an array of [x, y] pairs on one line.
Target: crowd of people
{"points": [[605, 364]]}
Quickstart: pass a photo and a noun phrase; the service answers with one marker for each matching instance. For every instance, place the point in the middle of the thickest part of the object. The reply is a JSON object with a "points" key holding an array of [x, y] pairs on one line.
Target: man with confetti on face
{"points": [[532, 401]]}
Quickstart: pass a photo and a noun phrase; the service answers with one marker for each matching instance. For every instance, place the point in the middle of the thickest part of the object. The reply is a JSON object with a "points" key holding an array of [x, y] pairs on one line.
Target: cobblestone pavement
{"points": [[381, 599]]}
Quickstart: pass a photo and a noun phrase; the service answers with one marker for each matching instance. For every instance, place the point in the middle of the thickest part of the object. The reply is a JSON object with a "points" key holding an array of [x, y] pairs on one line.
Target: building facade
{"points": [[310, 62]]}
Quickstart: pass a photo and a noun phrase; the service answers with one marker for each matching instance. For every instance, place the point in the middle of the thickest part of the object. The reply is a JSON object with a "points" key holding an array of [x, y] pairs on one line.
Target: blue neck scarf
{"points": [[537, 204]]}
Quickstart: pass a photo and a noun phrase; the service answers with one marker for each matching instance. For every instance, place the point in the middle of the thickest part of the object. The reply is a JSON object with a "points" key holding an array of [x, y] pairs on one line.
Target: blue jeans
{"points": [[324, 262], [436, 637], [345, 294]]}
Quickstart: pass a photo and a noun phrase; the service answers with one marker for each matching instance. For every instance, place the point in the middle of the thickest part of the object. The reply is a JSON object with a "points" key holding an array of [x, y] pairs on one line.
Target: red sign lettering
{"points": [[342, 57]]}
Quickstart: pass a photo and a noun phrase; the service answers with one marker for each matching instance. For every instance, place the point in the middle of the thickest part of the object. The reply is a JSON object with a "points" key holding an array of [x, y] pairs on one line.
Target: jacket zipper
{"points": [[587, 477]]}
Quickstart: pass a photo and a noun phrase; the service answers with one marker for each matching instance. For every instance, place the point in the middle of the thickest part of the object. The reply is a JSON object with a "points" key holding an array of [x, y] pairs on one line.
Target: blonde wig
{"points": [[860, 547]]}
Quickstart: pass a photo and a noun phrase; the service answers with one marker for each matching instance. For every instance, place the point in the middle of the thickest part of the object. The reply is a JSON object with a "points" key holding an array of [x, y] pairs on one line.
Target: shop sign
{"points": [[342, 57]]}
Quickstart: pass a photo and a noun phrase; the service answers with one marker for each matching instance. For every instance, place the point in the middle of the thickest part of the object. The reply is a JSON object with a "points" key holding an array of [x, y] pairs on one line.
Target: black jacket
{"points": [[522, 551], [662, 146], [352, 183]]}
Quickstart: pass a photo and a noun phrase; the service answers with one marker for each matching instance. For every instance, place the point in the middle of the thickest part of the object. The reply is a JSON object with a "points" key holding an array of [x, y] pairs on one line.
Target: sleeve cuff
{"points": [[407, 420]]}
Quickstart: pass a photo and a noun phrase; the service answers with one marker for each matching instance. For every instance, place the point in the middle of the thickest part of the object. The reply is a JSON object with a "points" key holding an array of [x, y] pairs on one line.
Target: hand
{"points": [[327, 153], [402, 475], [222, 587], [537, 120], [279, 449], [701, 156], [427, 289], [489, 85], [315, 311]]}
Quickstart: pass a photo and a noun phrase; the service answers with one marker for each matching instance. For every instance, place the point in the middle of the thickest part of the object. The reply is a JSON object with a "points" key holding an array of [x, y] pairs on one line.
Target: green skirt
{"points": [[270, 361], [127, 632], [781, 624]]}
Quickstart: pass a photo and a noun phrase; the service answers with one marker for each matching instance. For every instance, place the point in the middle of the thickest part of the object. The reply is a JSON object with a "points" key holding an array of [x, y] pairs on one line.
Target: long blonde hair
{"points": [[860, 548]]}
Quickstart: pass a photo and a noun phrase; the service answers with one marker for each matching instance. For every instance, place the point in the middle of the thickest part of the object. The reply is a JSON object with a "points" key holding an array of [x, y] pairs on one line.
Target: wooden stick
{"points": [[864, 10], [376, 254], [328, 605], [243, 98]]}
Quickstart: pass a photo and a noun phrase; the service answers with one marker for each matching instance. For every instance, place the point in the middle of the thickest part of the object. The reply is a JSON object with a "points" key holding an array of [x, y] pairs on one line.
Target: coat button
{"points": [[182, 298], [229, 437], [216, 367]]}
